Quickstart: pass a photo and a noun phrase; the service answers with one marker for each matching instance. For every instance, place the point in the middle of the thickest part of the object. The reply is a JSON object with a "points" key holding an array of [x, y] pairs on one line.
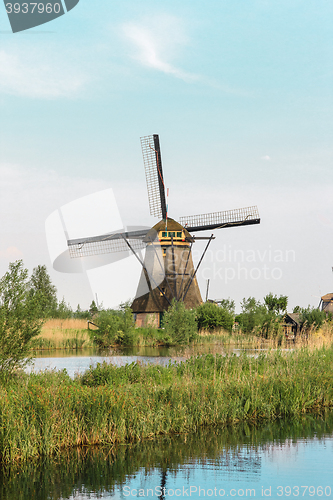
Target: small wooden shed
{"points": [[292, 325]]}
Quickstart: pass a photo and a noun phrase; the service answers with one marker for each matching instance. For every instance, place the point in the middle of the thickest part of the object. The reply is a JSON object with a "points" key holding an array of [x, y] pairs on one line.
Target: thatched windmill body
{"points": [[169, 273], [167, 269]]}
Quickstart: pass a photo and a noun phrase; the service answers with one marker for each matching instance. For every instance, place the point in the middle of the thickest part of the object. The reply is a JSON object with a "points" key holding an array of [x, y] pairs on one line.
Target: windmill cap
{"points": [[172, 225], [327, 298]]}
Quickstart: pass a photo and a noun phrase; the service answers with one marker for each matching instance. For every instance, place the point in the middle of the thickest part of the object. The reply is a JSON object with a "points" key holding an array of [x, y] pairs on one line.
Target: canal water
{"points": [[275, 460], [77, 361]]}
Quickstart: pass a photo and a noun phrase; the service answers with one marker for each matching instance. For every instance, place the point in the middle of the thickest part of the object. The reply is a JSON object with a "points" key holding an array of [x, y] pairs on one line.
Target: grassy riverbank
{"points": [[73, 334], [42, 413]]}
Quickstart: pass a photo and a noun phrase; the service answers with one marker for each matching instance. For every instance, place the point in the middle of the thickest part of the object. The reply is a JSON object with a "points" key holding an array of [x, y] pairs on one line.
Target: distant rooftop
{"points": [[327, 298], [295, 317]]}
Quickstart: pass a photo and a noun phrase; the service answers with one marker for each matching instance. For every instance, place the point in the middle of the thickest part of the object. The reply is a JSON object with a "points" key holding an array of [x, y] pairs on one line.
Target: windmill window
{"points": [[164, 252], [171, 234]]}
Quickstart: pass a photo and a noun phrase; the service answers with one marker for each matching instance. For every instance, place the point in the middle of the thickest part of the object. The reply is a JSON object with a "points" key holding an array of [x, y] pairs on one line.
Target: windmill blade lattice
{"points": [[107, 243], [151, 152], [219, 220]]}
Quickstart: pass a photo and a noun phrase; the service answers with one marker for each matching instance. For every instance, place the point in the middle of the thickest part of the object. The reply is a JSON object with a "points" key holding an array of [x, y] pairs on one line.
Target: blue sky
{"points": [[241, 95]]}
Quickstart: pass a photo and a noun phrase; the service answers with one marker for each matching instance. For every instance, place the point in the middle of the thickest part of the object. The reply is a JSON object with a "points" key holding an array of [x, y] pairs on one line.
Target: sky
{"points": [[240, 93]]}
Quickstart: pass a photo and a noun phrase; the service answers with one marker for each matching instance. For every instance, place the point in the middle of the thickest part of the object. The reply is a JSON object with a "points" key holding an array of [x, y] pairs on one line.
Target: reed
{"points": [[52, 325], [41, 414], [63, 334], [100, 469]]}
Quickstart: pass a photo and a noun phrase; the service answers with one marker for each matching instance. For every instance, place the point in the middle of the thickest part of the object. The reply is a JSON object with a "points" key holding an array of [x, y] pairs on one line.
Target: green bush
{"points": [[252, 316], [312, 317], [180, 325], [115, 327], [63, 310], [261, 320], [210, 316], [81, 314]]}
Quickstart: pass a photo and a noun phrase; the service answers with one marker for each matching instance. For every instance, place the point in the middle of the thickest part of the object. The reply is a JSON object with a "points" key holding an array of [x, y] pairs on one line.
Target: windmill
{"points": [[167, 269]]}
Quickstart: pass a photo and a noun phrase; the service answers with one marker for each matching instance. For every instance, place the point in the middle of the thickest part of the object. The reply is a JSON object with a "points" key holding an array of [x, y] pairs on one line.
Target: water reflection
{"points": [[75, 365], [77, 361], [229, 459]]}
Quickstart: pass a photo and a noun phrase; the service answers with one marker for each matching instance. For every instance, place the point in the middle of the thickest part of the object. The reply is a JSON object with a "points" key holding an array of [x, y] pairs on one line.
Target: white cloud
{"points": [[38, 73], [157, 41], [266, 157], [160, 40]]}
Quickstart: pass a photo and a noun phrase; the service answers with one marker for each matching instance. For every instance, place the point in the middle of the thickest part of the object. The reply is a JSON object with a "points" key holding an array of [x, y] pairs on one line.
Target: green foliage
{"points": [[42, 414], [228, 304], [93, 309], [180, 325], [210, 316], [104, 469], [276, 304], [80, 314], [114, 327], [259, 319], [252, 315], [63, 311], [312, 317], [19, 318], [43, 291]]}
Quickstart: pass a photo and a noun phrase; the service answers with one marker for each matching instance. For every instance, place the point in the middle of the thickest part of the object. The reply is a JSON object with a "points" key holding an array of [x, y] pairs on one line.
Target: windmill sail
{"points": [[151, 152], [107, 243], [219, 220]]}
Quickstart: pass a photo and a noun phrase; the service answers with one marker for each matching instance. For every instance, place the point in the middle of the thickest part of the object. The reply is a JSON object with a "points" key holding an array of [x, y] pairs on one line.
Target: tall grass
{"points": [[312, 338], [63, 334], [41, 414]]}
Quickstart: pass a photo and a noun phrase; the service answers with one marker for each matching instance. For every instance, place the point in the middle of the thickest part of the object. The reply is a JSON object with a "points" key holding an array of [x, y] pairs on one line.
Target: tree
{"points": [[312, 317], [276, 304], [19, 318], [260, 319], [44, 292], [93, 309], [63, 310], [211, 317], [228, 304], [180, 325], [251, 315], [81, 314]]}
